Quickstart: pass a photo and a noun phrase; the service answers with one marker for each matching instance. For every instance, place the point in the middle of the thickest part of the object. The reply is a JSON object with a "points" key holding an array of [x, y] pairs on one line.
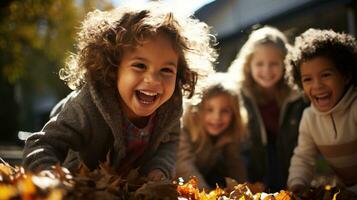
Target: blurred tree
{"points": [[35, 38]]}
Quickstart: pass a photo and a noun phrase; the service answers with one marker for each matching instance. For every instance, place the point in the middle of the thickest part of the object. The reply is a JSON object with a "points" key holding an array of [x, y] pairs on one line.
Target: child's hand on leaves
{"points": [[156, 175], [298, 189]]}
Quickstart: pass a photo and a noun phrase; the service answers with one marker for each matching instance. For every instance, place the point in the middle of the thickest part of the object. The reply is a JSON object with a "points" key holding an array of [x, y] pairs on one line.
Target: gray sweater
{"points": [[88, 129]]}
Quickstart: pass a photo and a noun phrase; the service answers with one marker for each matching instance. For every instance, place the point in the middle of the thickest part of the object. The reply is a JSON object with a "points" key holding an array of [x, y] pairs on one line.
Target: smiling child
{"points": [[323, 64], [274, 108], [133, 67], [212, 128]]}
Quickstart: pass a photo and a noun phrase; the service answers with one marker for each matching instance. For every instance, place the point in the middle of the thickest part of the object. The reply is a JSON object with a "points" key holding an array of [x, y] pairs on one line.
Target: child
{"points": [[131, 68], [209, 139], [324, 64], [274, 108]]}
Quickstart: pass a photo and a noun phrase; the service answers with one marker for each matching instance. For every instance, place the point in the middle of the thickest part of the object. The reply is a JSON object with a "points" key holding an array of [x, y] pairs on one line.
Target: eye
{"points": [[139, 66], [226, 110], [209, 110], [169, 70], [276, 63], [258, 64], [306, 80], [327, 74]]}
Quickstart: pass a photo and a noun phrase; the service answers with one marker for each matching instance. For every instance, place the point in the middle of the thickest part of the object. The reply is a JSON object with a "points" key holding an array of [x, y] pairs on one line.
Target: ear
{"points": [[347, 79]]}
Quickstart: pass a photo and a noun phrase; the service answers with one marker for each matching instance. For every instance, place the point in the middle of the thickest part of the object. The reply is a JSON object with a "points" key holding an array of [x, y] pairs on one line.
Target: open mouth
{"points": [[323, 100], [146, 97], [267, 78], [215, 126]]}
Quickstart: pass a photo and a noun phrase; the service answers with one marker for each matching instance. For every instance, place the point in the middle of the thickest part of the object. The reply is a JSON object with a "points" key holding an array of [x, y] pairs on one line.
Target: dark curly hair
{"points": [[104, 35], [339, 48]]}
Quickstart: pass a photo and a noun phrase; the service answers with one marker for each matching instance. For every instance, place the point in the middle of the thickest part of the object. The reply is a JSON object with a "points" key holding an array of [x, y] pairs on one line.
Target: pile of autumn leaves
{"points": [[233, 190], [58, 184], [103, 184]]}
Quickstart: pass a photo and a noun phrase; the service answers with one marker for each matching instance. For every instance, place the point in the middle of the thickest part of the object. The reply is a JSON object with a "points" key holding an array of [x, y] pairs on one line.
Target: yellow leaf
{"points": [[335, 195], [7, 191], [55, 194], [5, 169]]}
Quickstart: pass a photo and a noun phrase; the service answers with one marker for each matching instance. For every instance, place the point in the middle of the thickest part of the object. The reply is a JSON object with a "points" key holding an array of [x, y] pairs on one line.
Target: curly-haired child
{"points": [[134, 64], [323, 64], [212, 128], [274, 108]]}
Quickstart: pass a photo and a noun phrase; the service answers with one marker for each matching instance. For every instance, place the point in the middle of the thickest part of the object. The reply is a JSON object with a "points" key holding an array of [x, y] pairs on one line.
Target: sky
{"points": [[187, 6]]}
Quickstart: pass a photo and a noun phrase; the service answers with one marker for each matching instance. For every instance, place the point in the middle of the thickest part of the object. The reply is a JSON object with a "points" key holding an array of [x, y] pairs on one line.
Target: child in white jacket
{"points": [[323, 63]]}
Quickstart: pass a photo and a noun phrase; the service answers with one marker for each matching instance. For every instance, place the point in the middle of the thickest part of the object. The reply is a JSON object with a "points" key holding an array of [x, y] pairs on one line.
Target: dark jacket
{"points": [[259, 153], [220, 157], [88, 128]]}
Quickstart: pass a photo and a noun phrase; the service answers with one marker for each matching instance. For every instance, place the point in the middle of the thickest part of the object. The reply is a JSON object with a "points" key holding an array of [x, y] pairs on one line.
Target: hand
{"points": [[297, 189], [156, 175], [257, 187]]}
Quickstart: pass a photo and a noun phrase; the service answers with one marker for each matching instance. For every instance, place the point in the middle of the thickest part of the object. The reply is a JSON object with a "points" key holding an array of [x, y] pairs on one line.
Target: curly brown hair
{"points": [[104, 35], [340, 48]]}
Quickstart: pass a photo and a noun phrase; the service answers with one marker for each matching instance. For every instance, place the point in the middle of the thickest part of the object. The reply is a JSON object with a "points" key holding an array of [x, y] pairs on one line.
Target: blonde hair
{"points": [[104, 35], [241, 66], [217, 84]]}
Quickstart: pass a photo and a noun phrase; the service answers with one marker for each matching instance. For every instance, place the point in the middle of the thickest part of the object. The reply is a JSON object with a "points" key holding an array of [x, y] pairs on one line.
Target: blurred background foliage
{"points": [[35, 38]]}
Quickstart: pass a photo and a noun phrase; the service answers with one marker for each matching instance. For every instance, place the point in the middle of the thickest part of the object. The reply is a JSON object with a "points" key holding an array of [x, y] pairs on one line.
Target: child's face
{"points": [[147, 77], [267, 66], [217, 114], [322, 83]]}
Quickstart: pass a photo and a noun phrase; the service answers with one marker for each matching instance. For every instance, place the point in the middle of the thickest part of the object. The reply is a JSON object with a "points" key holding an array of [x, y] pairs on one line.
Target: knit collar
{"points": [[128, 125], [106, 98]]}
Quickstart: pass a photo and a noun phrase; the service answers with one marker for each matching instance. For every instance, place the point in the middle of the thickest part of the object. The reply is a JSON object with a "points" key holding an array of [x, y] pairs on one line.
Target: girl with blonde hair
{"points": [[212, 128], [274, 107]]}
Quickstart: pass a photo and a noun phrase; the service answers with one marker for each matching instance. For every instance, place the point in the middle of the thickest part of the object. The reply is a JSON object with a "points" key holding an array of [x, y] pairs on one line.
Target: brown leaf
{"points": [[115, 185], [230, 183], [105, 168], [104, 195], [83, 170], [256, 187], [135, 180], [157, 191]]}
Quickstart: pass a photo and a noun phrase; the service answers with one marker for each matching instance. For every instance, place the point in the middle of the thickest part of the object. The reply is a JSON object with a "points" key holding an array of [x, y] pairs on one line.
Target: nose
{"points": [[274, 66], [316, 84], [216, 115], [267, 68], [152, 77]]}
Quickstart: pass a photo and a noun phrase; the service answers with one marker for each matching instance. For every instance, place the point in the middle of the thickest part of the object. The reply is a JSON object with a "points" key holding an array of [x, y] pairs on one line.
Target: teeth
{"points": [[148, 93], [146, 102], [321, 96]]}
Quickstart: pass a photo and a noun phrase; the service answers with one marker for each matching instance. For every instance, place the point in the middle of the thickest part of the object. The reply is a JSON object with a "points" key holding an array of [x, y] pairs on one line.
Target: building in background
{"points": [[35, 38], [233, 20]]}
